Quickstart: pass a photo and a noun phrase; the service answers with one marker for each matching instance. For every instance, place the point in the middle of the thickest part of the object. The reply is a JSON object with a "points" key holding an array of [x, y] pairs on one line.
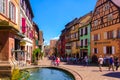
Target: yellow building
{"points": [[9, 31]]}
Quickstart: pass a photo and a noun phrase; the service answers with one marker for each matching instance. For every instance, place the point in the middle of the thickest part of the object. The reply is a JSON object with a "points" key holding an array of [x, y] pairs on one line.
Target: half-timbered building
{"points": [[105, 30]]}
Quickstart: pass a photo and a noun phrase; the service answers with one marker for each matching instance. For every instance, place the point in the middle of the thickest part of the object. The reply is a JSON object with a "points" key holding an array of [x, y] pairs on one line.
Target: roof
{"points": [[117, 2]]}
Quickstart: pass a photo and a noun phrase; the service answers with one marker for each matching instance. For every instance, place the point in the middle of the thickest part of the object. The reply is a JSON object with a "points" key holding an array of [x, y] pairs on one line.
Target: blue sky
{"points": [[52, 15]]}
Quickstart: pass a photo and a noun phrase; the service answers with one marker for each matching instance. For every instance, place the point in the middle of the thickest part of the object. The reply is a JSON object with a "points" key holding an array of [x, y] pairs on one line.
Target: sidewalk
{"points": [[88, 73]]}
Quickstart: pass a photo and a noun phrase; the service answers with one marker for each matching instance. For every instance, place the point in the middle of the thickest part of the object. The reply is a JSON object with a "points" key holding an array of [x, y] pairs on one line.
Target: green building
{"points": [[84, 35]]}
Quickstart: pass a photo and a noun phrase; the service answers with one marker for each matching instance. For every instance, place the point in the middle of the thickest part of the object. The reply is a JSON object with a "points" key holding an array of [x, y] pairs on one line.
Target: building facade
{"points": [[26, 27], [105, 30], [84, 35], [63, 42], [52, 46], [35, 36], [41, 41], [9, 28]]}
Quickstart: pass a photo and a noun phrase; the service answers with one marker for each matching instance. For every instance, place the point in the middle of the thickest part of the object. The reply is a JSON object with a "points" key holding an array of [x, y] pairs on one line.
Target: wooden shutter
{"points": [[104, 50], [114, 34], [84, 31], [93, 50], [97, 50], [79, 32], [23, 25], [98, 36], [92, 37], [113, 50], [105, 35]]}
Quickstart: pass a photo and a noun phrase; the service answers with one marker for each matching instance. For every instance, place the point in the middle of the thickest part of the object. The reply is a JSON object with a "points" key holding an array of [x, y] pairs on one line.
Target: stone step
{"points": [[5, 67]]}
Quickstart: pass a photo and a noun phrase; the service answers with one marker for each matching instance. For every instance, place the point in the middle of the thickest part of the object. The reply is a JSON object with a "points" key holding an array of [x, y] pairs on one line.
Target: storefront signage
{"points": [[95, 43]]}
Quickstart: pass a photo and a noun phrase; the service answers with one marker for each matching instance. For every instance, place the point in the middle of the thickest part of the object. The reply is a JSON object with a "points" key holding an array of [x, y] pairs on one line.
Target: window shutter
{"points": [[93, 50], [104, 49], [114, 34], [105, 35], [92, 37], [23, 25], [97, 50], [113, 50], [98, 36], [83, 31], [83, 42], [0, 6], [79, 32]]}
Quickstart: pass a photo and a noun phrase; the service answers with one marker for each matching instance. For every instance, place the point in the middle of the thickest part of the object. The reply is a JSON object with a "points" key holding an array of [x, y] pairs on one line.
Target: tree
{"points": [[35, 55]]}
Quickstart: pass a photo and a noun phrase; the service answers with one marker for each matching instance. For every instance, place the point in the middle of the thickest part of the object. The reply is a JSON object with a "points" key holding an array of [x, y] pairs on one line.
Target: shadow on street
{"points": [[113, 74]]}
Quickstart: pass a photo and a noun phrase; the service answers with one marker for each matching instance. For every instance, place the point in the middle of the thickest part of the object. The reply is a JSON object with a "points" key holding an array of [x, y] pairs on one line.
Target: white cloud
{"points": [[57, 37], [46, 43]]}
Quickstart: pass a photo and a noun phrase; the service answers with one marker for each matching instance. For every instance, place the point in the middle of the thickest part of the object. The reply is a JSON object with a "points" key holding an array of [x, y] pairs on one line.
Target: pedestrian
{"points": [[86, 60], [117, 63], [100, 61], [57, 61], [111, 63]]}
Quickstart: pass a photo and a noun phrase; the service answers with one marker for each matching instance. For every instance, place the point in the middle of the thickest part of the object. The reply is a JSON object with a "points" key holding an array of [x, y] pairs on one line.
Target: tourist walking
{"points": [[117, 63], [111, 63], [100, 61], [57, 61], [86, 60]]}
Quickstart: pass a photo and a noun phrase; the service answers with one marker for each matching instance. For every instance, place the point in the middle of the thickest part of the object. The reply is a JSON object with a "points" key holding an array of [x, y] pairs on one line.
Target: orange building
{"points": [[105, 30]]}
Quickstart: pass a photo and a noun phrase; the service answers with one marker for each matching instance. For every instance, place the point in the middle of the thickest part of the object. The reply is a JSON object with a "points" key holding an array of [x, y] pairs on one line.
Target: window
{"points": [[118, 33], [106, 7], [81, 32], [73, 28], [97, 12], [3, 6], [95, 50], [95, 22], [81, 43], [110, 35], [76, 35], [101, 20], [12, 12], [86, 42], [96, 37], [109, 49], [110, 17]]}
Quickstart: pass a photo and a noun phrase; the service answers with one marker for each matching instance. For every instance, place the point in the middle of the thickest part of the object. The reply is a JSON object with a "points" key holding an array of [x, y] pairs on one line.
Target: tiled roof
{"points": [[117, 2]]}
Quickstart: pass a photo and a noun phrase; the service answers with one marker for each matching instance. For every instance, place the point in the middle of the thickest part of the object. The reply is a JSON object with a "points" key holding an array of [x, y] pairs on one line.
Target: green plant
{"points": [[35, 55], [20, 75]]}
